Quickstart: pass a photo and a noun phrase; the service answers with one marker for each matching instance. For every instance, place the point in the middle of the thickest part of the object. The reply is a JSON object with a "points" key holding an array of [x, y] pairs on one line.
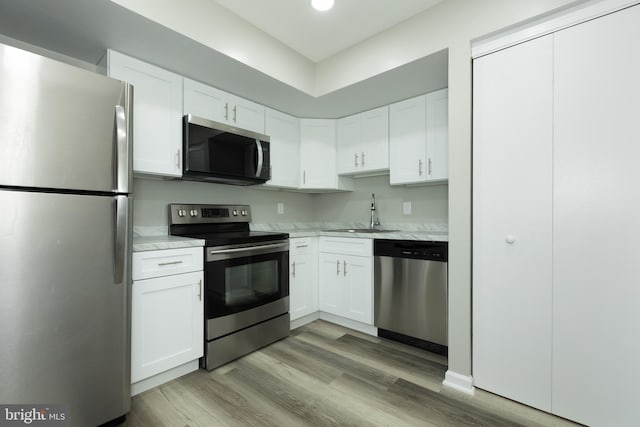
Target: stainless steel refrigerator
{"points": [[65, 238]]}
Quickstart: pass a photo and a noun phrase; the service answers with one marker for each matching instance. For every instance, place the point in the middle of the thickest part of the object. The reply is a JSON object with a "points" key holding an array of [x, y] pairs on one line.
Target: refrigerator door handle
{"points": [[122, 158], [120, 237], [123, 134]]}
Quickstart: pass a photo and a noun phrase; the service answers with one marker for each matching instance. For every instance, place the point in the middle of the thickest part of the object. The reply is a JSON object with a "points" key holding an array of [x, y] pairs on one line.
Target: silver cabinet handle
{"points": [[178, 159], [293, 267], [362, 159], [226, 111], [162, 264], [302, 246], [355, 156], [235, 113], [199, 290], [338, 267], [304, 176], [420, 167], [429, 167], [344, 268]]}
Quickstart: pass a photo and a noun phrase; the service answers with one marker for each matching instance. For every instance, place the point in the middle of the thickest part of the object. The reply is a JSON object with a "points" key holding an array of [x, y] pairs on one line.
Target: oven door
{"points": [[239, 278]]}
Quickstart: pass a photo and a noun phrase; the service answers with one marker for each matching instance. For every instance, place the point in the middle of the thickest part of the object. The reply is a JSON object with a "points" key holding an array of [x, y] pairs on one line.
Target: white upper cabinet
{"points": [[214, 104], [284, 133], [157, 105], [318, 156], [363, 143], [438, 135], [418, 139]]}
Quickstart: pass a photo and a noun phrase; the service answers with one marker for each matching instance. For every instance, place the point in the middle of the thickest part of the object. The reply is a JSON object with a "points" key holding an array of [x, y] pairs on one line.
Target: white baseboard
{"points": [[304, 320], [348, 323], [163, 377], [459, 382]]}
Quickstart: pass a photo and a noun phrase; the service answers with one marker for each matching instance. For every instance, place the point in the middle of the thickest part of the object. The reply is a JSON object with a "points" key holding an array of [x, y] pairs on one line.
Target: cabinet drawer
{"points": [[166, 262], [302, 245], [346, 245]]}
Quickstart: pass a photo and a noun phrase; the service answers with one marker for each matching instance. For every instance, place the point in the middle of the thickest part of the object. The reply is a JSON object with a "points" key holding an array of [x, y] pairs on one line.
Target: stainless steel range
{"points": [[246, 279]]}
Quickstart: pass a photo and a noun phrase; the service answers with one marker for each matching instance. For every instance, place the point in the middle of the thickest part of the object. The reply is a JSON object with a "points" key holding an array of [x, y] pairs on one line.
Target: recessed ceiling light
{"points": [[322, 5]]}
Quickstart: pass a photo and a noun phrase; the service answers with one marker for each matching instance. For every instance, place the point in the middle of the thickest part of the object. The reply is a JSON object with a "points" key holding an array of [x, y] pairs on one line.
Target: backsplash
{"points": [[429, 205]]}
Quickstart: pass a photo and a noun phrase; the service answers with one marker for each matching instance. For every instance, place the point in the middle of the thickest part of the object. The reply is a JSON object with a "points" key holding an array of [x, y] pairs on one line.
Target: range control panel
{"points": [[208, 214]]}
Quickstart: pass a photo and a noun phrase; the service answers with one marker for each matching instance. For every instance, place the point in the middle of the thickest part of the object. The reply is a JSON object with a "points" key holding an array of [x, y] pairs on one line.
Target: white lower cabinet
{"points": [[166, 311], [303, 277], [346, 278]]}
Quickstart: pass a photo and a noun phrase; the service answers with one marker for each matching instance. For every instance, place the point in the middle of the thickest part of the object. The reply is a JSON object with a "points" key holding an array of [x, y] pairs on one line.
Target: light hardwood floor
{"points": [[327, 375]]}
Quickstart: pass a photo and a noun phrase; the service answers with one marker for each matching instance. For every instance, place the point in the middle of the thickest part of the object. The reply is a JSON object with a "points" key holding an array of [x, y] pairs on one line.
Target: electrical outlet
{"points": [[406, 208], [280, 208]]}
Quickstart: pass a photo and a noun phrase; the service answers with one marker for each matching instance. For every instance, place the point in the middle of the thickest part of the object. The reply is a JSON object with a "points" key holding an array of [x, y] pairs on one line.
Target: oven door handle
{"points": [[222, 254]]}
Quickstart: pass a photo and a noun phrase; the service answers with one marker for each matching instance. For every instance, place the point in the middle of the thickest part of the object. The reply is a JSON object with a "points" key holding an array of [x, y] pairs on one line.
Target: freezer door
{"points": [[65, 303], [62, 127]]}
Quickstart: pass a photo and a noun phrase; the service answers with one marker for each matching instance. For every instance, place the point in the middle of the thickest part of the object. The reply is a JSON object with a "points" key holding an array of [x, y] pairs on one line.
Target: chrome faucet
{"points": [[374, 222]]}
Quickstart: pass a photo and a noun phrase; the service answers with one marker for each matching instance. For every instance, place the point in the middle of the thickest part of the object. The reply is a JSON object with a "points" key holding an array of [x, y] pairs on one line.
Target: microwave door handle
{"points": [[260, 158]]}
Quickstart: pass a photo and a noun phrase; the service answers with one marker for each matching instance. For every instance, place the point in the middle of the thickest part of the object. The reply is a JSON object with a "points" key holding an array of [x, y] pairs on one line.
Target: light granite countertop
{"points": [[424, 232], [151, 239], [154, 243]]}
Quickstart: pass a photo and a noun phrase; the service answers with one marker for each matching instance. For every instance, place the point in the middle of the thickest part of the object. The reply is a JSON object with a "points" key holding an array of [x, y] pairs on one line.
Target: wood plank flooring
{"points": [[327, 375]]}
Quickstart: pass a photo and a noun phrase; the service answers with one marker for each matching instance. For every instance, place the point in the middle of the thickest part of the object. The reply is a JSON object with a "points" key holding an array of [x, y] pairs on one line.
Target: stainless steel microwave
{"points": [[217, 152]]}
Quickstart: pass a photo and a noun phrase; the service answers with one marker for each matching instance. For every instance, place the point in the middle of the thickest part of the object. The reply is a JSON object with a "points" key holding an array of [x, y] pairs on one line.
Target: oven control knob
{"points": [[235, 212], [244, 212], [182, 212], [194, 212]]}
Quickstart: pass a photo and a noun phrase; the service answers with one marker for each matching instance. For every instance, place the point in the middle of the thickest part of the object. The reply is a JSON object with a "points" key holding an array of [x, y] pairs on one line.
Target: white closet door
{"points": [[512, 212], [596, 238]]}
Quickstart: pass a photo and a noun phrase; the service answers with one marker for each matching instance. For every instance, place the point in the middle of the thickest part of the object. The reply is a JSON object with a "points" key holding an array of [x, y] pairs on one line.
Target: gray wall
{"points": [[152, 196], [429, 204]]}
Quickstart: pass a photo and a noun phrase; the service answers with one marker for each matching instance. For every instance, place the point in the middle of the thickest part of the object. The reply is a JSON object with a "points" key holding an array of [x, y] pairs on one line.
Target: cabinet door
{"points": [[157, 115], [358, 282], [349, 157], [303, 284], [596, 292], [375, 140], [438, 135], [512, 202], [284, 131], [246, 114], [205, 101], [166, 323], [330, 290], [318, 153], [407, 141]]}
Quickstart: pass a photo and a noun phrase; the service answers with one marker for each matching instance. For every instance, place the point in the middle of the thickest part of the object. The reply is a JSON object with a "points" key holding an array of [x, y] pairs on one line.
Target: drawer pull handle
{"points": [[302, 246], [162, 264], [338, 267], [344, 268]]}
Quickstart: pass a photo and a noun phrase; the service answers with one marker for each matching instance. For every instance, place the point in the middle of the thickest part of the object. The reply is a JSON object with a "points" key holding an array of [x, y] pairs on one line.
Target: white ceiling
{"points": [[319, 35], [84, 29]]}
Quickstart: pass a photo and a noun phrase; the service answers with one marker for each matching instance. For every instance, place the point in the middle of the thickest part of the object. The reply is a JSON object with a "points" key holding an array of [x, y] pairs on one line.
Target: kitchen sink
{"points": [[359, 230]]}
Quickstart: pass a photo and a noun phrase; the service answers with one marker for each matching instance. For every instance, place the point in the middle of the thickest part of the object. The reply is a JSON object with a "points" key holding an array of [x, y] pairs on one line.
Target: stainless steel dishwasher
{"points": [[410, 292]]}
